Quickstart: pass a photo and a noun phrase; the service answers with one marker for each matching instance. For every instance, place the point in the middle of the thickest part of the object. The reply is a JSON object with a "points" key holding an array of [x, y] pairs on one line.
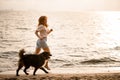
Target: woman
{"points": [[42, 32]]}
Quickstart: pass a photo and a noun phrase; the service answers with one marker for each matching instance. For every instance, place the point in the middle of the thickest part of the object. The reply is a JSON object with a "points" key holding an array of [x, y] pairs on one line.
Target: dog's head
{"points": [[22, 51], [46, 55]]}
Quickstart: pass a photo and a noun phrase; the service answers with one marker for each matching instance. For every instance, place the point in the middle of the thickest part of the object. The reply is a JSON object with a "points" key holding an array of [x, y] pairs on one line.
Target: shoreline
{"points": [[73, 70], [90, 76], [111, 73]]}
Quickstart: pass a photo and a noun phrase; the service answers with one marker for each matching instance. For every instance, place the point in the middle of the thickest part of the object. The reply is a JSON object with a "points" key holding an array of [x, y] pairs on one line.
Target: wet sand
{"points": [[94, 76], [66, 74]]}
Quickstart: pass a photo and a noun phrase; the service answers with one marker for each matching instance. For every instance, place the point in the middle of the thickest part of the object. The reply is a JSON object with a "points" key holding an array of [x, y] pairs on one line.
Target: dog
{"points": [[34, 60]]}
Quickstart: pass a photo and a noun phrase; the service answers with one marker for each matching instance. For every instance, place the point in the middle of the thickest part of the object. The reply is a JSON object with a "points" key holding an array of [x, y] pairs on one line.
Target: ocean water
{"points": [[79, 39]]}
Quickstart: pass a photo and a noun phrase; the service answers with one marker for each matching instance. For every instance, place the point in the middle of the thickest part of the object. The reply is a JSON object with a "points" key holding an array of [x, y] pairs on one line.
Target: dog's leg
{"points": [[20, 65], [26, 67], [43, 70], [35, 71]]}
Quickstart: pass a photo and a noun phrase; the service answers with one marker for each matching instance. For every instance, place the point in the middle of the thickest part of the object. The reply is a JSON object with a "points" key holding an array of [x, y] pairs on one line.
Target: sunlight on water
{"points": [[111, 28]]}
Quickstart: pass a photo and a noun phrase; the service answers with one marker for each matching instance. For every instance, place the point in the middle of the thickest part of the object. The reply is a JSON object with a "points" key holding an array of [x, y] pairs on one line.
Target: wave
{"points": [[8, 54], [98, 61], [23, 28], [67, 65], [10, 40], [117, 48]]}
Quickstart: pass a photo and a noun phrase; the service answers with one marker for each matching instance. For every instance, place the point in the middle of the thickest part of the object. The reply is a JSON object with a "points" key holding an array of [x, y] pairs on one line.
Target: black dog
{"points": [[34, 60]]}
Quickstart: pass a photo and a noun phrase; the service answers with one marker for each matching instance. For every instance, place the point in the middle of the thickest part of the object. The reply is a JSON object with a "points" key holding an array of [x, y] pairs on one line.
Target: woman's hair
{"points": [[43, 20]]}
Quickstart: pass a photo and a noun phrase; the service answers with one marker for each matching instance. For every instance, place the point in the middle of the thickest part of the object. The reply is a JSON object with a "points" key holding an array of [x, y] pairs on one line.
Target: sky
{"points": [[61, 5]]}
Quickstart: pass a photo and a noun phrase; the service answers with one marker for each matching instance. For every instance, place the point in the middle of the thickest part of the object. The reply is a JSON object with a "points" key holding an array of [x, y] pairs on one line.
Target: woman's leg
{"points": [[37, 51], [46, 65], [46, 50]]}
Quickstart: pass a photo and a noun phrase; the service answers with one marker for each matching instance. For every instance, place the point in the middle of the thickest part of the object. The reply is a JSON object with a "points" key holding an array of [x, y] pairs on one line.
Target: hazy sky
{"points": [[61, 5]]}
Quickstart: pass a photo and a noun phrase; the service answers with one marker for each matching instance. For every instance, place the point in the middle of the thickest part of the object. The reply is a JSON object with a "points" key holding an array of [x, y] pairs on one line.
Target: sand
{"points": [[95, 76], [66, 74]]}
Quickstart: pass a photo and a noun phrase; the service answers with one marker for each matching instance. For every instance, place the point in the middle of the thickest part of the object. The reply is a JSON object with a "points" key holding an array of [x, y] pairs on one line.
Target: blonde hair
{"points": [[43, 20]]}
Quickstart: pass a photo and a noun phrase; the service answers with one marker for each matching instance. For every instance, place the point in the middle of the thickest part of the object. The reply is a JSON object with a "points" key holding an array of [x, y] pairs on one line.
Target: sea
{"points": [[79, 39]]}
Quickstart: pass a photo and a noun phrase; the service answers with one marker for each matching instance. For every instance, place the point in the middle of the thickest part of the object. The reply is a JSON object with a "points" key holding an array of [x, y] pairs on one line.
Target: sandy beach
{"points": [[112, 73], [94, 76]]}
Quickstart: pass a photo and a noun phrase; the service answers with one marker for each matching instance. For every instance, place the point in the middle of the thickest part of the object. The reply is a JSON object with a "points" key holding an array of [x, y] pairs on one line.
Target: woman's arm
{"points": [[50, 31], [36, 33]]}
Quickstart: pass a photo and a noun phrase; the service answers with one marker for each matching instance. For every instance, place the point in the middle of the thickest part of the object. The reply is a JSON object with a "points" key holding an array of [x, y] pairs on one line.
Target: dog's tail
{"points": [[21, 52]]}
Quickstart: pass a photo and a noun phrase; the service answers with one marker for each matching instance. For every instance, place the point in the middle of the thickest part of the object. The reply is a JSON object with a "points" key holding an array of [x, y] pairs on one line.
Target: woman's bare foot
{"points": [[47, 67]]}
